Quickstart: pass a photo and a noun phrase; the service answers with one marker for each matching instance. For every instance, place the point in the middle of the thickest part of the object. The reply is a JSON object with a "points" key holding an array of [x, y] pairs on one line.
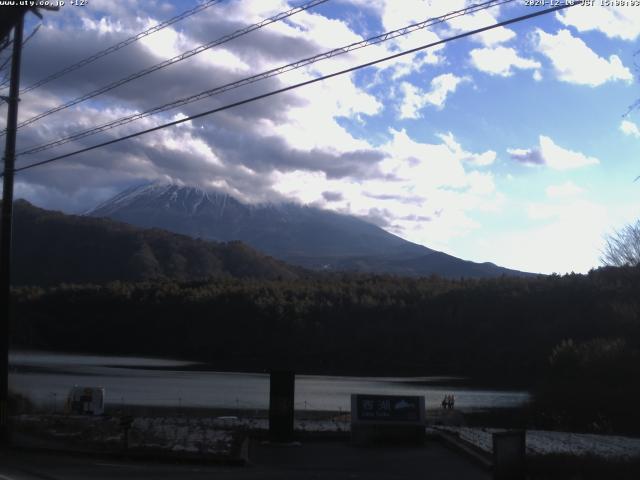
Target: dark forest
{"points": [[559, 336]]}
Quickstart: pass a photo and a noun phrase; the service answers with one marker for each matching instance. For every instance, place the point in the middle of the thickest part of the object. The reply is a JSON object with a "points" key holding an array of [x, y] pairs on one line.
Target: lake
{"points": [[131, 381]]}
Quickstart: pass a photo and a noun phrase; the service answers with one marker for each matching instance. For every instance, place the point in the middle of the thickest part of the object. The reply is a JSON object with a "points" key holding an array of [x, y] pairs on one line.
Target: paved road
{"points": [[311, 460]]}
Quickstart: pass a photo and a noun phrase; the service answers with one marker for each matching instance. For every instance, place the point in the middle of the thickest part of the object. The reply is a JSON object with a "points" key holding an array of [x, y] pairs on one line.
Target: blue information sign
{"points": [[388, 408]]}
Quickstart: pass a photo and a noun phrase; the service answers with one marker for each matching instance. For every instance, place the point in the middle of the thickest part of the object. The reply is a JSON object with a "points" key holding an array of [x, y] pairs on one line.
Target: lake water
{"points": [[47, 377]]}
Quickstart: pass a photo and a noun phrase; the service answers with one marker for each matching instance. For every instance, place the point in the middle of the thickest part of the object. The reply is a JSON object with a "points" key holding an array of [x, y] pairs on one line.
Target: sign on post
{"points": [[387, 418]]}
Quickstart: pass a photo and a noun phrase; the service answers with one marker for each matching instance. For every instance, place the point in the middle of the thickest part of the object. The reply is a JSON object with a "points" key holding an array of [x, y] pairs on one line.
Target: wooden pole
{"points": [[6, 229]]}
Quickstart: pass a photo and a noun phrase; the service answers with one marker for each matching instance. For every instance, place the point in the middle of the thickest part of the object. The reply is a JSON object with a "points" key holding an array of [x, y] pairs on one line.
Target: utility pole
{"points": [[6, 231]]}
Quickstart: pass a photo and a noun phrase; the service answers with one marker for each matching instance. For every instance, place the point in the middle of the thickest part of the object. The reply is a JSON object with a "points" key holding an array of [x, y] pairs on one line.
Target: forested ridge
{"points": [[574, 340], [502, 329], [52, 247]]}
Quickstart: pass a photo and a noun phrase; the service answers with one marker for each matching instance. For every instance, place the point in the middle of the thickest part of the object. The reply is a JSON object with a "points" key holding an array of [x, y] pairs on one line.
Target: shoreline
{"points": [[438, 379]]}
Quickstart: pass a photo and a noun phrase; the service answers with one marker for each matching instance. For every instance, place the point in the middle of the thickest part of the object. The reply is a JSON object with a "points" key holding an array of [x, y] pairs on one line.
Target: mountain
{"points": [[284, 230], [297, 234], [51, 248]]}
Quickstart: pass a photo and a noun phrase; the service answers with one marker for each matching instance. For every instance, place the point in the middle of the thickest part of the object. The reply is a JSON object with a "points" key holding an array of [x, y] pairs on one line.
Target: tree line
{"points": [[501, 328], [525, 332]]}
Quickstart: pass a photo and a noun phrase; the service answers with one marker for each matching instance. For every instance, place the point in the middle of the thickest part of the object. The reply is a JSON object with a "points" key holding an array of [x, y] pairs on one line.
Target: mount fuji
{"points": [[301, 235]]}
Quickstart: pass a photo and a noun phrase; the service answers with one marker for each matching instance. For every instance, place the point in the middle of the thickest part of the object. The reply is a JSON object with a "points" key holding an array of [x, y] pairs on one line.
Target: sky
{"points": [[515, 146]]}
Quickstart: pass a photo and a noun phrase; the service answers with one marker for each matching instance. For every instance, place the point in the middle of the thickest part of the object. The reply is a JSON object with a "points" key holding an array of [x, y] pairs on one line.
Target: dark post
{"points": [[281, 398], [125, 423], [5, 233], [509, 455]]}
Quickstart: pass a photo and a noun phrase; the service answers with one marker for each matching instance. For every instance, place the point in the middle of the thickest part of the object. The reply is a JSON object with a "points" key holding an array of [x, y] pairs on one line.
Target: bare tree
{"points": [[623, 247]]}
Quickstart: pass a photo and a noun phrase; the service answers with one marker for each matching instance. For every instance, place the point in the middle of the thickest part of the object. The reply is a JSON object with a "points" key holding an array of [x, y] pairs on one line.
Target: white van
{"points": [[85, 400]]}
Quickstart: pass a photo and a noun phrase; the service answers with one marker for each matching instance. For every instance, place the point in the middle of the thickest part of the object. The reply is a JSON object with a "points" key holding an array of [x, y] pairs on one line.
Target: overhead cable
{"points": [[267, 74], [173, 60], [5, 81], [301, 84], [122, 44]]}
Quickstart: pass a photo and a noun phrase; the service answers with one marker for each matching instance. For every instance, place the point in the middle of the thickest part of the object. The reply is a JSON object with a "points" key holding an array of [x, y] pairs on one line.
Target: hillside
{"points": [[297, 234], [51, 247]]}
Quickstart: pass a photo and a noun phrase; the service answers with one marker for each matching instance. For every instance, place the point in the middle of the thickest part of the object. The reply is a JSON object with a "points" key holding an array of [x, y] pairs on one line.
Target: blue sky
{"points": [[510, 147]]}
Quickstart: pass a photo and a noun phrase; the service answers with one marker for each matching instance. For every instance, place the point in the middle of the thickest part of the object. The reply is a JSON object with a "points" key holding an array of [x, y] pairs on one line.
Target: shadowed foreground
{"points": [[320, 460]]}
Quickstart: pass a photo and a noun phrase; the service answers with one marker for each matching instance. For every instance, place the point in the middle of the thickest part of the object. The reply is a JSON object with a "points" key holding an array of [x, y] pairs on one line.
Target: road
{"points": [[311, 460]]}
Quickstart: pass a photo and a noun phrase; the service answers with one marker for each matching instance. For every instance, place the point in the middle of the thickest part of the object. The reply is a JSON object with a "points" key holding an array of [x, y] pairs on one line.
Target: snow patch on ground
{"points": [[299, 425], [175, 434], [167, 424], [539, 443], [181, 434], [209, 436]]}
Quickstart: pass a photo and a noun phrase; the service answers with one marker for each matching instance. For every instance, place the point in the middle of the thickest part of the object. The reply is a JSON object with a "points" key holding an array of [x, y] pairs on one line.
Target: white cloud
{"points": [[574, 62], [165, 43], [496, 36], [559, 158], [426, 192], [441, 87], [243, 146], [415, 99], [478, 159], [563, 236], [340, 97], [430, 165], [620, 22], [426, 196], [481, 19], [403, 66], [569, 239], [104, 25], [629, 128], [552, 155], [500, 61], [396, 14], [481, 183], [467, 22], [566, 189]]}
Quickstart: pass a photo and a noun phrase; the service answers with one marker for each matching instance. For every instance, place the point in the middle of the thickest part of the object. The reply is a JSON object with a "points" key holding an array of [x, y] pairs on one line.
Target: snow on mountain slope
{"points": [[299, 234]]}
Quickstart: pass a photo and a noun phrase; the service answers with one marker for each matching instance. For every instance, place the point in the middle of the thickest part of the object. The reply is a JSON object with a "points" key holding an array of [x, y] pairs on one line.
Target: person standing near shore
{"points": [[448, 402]]}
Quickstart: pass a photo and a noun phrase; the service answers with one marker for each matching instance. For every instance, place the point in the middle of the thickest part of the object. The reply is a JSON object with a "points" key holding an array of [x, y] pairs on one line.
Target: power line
{"points": [[5, 81], [176, 59], [5, 78], [302, 84], [32, 34], [5, 43], [121, 44], [267, 74]]}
